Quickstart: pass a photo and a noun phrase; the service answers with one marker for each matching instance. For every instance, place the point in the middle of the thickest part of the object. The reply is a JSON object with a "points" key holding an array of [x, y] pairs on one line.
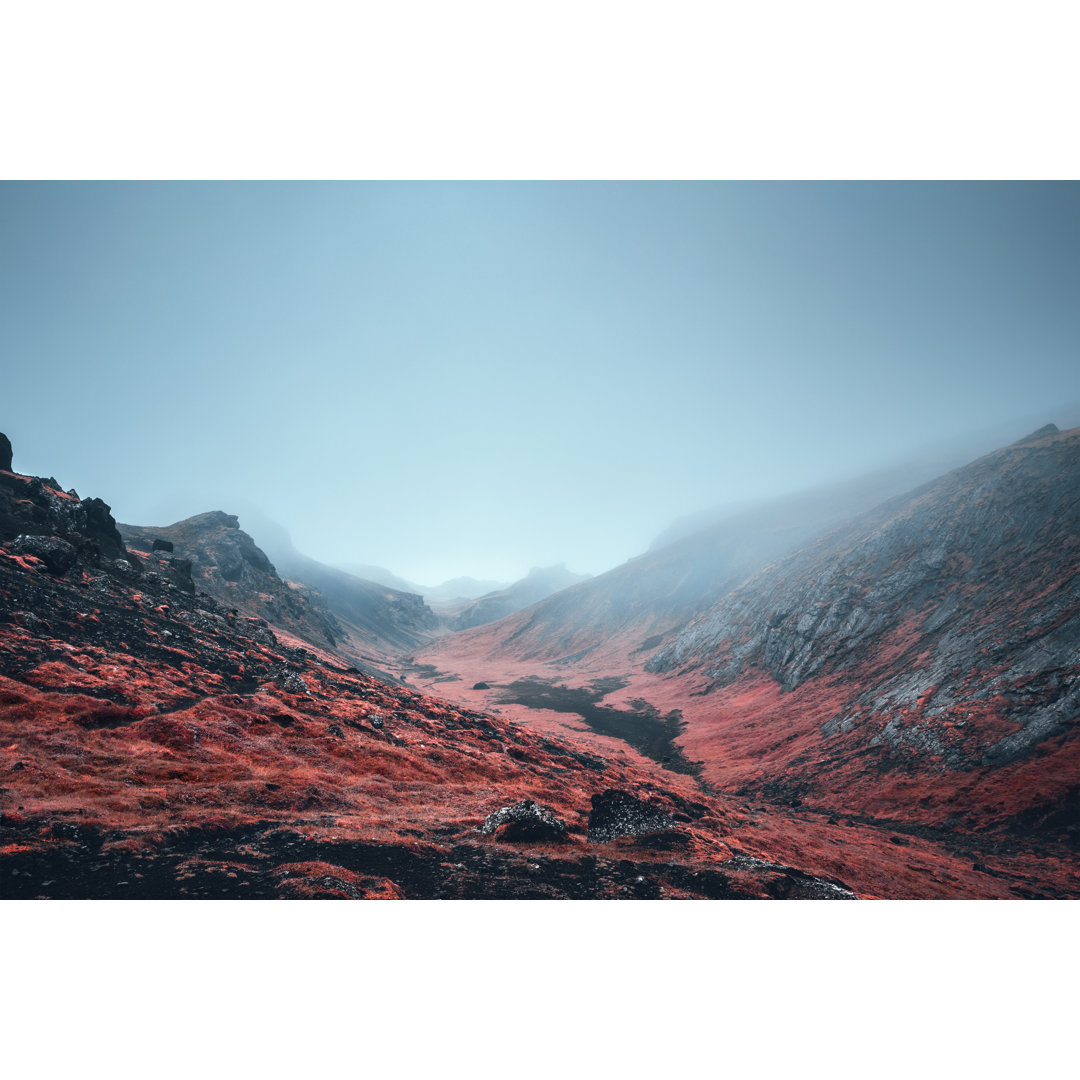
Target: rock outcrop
{"points": [[951, 614], [618, 813], [525, 820], [57, 526], [225, 563]]}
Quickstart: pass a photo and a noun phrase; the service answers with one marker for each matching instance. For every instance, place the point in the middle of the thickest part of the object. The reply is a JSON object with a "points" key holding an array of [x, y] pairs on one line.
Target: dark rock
{"points": [[525, 820], [5, 452], [336, 731], [617, 813], [225, 562], [290, 682], [481, 686], [58, 555]]}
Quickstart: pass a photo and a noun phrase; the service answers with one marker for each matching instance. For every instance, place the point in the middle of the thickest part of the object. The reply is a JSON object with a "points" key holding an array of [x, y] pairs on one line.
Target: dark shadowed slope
{"points": [[381, 618], [225, 562], [313, 601]]}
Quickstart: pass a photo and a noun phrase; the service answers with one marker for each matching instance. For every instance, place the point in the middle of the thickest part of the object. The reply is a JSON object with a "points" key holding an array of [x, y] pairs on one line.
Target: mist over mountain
{"points": [[380, 575], [817, 445], [539, 583], [939, 455], [473, 379], [461, 588]]}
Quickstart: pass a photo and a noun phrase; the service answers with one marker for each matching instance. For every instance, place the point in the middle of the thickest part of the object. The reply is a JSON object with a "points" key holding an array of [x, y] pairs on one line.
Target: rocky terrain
{"points": [[942, 630], [636, 608], [870, 715], [915, 668], [156, 741], [222, 560]]}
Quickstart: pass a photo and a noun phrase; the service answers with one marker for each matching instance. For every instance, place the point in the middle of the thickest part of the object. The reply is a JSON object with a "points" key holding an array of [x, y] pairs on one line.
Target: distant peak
{"points": [[5, 452], [1046, 429]]}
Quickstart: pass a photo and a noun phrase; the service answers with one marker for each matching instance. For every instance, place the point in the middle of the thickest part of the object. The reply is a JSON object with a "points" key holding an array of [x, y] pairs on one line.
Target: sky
{"points": [[477, 378]]}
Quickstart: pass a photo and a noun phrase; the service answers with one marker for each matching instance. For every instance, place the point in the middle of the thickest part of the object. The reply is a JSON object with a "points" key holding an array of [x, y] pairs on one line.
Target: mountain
{"points": [[314, 602], [378, 618], [937, 638], [155, 744], [223, 561], [383, 619], [460, 588], [888, 709], [632, 609], [865, 491], [539, 583], [914, 667]]}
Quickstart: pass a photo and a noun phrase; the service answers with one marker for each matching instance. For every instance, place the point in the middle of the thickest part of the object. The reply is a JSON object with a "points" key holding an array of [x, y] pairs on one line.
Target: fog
{"points": [[476, 379]]}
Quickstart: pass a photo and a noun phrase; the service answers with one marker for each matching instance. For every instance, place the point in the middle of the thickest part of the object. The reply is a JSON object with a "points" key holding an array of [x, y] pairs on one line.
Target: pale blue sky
{"points": [[477, 378]]}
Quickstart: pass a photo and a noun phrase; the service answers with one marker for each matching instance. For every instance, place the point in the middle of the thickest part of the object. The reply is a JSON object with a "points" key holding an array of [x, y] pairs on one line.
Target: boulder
{"points": [[525, 820], [58, 555], [5, 452], [618, 813]]}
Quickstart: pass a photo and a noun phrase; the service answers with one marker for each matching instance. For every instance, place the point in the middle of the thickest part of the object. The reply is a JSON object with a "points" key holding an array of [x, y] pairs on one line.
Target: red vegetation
{"points": [[907, 684], [158, 750], [155, 743]]}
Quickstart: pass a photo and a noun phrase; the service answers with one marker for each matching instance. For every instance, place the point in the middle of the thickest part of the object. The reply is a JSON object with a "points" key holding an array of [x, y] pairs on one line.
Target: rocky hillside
{"points": [[916, 669], [224, 562], [938, 635], [632, 610]]}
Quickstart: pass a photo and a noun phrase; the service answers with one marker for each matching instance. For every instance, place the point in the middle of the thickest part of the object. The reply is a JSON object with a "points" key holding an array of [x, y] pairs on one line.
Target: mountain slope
{"points": [[225, 562], [381, 618], [538, 584], [938, 637], [611, 621]]}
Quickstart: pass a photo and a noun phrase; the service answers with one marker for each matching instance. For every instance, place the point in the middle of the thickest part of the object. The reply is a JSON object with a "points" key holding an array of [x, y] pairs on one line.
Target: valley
{"points": [[793, 702]]}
